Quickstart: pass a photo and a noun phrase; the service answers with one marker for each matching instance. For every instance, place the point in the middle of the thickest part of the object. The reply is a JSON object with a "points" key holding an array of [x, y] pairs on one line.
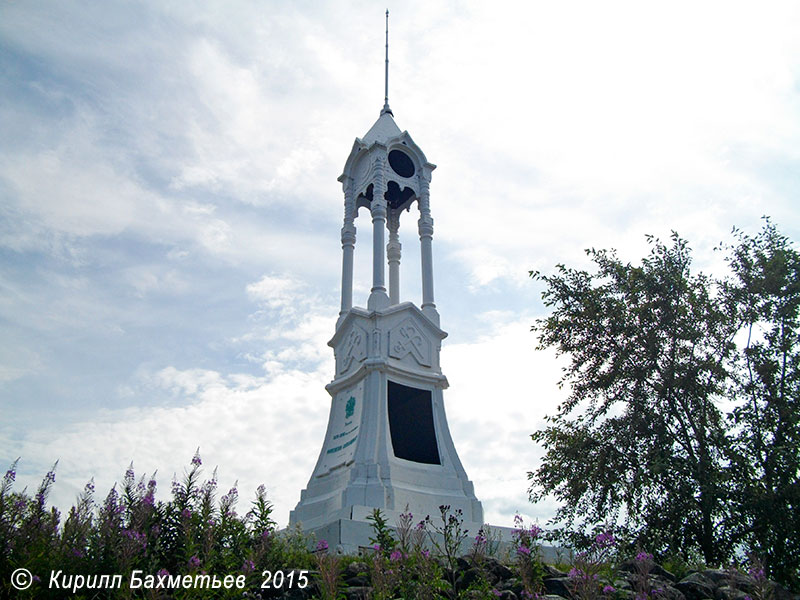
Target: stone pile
{"points": [[706, 584]]}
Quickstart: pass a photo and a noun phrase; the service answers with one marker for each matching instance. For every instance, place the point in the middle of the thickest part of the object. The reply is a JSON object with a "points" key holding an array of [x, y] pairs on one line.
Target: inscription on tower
{"points": [[343, 429]]}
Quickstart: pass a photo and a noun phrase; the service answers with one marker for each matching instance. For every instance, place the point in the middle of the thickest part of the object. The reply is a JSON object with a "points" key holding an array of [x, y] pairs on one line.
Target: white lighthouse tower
{"points": [[388, 445]]}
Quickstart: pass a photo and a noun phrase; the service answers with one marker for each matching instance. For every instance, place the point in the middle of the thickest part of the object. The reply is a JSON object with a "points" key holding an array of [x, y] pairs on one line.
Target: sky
{"points": [[170, 254]]}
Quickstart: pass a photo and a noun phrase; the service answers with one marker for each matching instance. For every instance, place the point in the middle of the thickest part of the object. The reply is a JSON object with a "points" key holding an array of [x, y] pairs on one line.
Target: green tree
{"points": [[682, 425], [765, 457], [639, 442]]}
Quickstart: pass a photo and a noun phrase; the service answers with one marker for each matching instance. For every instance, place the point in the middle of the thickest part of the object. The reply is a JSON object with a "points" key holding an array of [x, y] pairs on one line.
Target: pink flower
{"points": [[604, 540], [575, 573], [11, 475]]}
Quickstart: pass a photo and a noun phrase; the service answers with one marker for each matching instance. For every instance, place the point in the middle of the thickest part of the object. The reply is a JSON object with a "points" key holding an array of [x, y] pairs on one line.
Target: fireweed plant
{"points": [[198, 531], [408, 570], [586, 581], [328, 571], [447, 538], [477, 578], [527, 550], [643, 583], [382, 532], [762, 590], [192, 532]]}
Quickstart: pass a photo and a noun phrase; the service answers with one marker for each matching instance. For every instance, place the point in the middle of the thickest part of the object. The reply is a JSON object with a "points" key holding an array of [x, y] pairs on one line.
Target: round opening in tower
{"points": [[401, 163]]}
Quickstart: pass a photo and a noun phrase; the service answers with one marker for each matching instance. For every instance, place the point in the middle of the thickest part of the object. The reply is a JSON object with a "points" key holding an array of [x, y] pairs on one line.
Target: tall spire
{"points": [[386, 108]]}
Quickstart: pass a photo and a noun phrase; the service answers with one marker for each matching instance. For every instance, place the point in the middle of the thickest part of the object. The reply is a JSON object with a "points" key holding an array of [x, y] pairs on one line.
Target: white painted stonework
{"points": [[388, 384]]}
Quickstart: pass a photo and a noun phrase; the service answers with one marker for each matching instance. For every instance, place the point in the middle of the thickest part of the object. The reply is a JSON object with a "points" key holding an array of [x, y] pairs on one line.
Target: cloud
{"points": [[500, 391], [275, 291], [266, 429], [169, 213], [254, 428]]}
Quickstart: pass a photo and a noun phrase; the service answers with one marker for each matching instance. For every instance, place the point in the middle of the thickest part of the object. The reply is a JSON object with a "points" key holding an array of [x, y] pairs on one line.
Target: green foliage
{"points": [[409, 571], [290, 547], [196, 531], [383, 533], [192, 532], [680, 565], [528, 552], [328, 572], [682, 425], [448, 538], [765, 457], [647, 346]]}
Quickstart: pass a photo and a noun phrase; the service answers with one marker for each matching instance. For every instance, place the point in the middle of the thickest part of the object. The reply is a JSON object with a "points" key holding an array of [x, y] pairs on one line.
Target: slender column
{"points": [[425, 225], [348, 246], [378, 210], [393, 250], [378, 298]]}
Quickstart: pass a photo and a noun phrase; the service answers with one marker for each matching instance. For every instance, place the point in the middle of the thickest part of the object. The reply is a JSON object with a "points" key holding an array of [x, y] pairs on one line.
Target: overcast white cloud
{"points": [[169, 210]]}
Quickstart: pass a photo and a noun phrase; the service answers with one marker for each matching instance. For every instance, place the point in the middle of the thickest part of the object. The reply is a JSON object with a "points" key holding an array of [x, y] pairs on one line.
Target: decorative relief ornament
{"points": [[355, 348], [407, 338]]}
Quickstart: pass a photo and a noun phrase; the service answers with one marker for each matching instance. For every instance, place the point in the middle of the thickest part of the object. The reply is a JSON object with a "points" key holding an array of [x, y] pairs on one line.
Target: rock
{"points": [[696, 587], [621, 584], [497, 570], [726, 592], [462, 564], [297, 593], [357, 581], [732, 579], [514, 585], [667, 591], [354, 569], [632, 566], [507, 595], [558, 586], [468, 577], [357, 592], [553, 572], [781, 593]]}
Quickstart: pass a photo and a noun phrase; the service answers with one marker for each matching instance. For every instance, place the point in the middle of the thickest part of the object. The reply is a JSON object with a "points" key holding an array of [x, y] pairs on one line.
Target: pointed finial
{"points": [[386, 108]]}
